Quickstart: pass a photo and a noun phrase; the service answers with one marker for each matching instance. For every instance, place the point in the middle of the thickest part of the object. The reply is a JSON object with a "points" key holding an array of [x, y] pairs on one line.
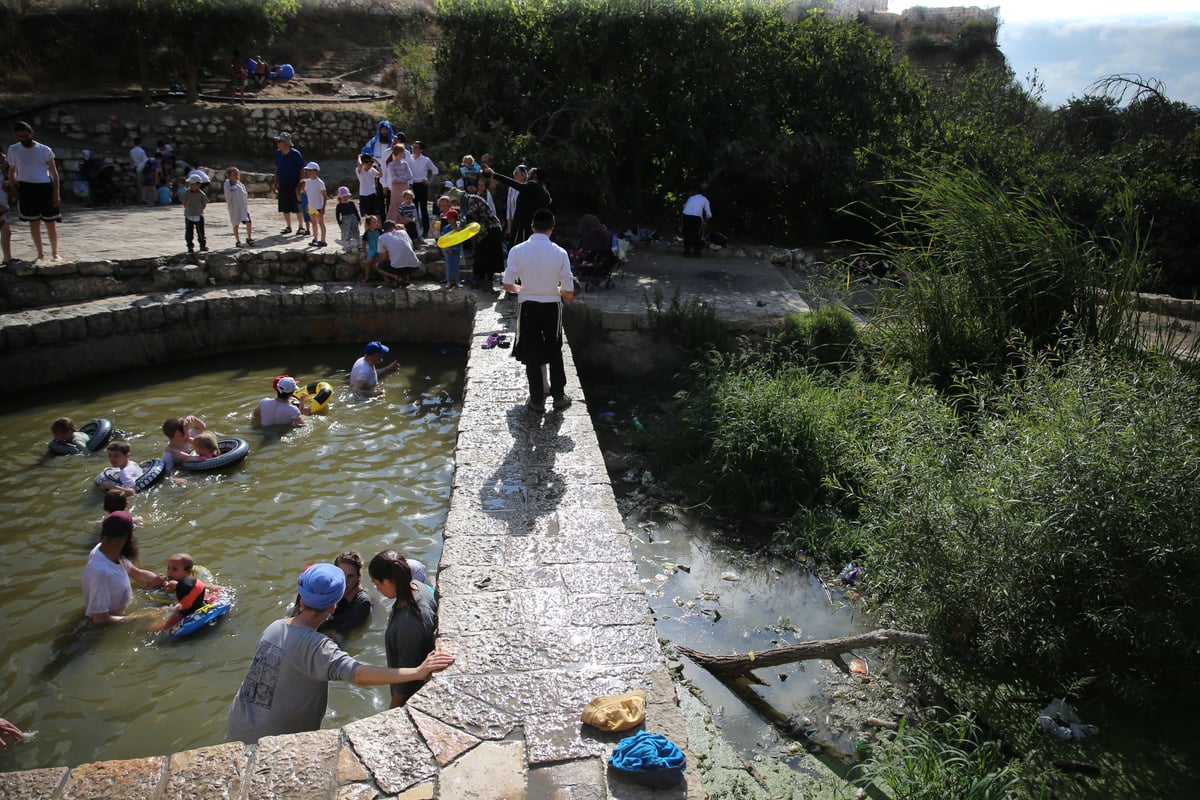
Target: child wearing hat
{"points": [[346, 215], [194, 203], [286, 687], [314, 190]]}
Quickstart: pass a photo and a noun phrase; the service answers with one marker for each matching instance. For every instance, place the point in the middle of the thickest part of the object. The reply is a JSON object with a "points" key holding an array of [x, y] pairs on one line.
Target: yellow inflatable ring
{"points": [[318, 395], [459, 236]]}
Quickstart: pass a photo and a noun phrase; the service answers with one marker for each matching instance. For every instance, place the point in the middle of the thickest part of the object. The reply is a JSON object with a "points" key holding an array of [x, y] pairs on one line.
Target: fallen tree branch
{"points": [[740, 665]]}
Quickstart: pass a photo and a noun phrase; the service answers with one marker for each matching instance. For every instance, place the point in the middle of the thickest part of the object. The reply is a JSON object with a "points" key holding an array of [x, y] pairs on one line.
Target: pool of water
{"points": [[371, 475]]}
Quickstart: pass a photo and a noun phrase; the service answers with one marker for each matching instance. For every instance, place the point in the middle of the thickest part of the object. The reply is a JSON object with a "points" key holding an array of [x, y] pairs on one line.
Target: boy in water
{"points": [[206, 446], [63, 431], [128, 470], [116, 500], [179, 432]]}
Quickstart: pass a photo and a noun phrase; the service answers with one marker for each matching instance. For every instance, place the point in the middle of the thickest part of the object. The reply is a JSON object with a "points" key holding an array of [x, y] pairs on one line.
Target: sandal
{"points": [[285, 231], [491, 342], [249, 243]]}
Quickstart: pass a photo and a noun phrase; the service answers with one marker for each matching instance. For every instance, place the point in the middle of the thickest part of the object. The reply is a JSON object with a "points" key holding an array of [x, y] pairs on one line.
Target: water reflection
{"points": [[373, 474]]}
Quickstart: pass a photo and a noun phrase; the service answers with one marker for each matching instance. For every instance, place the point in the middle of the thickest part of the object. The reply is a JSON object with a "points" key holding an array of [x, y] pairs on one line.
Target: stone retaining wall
{"points": [[30, 286], [155, 329]]}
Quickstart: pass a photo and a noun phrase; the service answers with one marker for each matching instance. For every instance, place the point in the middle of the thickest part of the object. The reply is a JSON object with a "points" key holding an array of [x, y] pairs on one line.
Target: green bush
{"points": [[826, 337], [1057, 539]]}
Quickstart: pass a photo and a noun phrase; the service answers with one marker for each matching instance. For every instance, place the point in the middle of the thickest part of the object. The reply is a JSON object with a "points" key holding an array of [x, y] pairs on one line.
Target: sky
{"points": [[1071, 44]]}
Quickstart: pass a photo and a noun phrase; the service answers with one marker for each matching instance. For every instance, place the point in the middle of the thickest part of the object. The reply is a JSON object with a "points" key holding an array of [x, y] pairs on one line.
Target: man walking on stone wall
{"points": [[33, 178]]}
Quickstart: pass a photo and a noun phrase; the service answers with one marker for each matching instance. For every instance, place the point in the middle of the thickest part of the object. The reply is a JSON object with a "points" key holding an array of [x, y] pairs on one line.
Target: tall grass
{"points": [[985, 264], [948, 760]]}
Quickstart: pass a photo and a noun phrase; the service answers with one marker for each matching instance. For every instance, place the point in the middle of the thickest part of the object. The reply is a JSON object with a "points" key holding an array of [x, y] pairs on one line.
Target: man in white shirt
{"points": [[397, 259], [34, 187], [696, 212], [138, 157], [544, 271], [364, 378], [423, 172]]}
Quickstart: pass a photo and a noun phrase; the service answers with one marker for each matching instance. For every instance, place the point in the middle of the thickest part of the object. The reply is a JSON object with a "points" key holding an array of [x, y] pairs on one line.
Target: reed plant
{"points": [[986, 265]]}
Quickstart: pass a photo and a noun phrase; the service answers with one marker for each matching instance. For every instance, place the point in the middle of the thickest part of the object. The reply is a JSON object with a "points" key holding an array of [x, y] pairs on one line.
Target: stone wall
{"points": [[158, 328], [200, 133], [29, 286]]}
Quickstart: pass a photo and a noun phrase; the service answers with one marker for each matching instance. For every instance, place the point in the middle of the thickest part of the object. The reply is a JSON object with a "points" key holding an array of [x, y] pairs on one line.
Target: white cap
{"points": [[313, 165]]}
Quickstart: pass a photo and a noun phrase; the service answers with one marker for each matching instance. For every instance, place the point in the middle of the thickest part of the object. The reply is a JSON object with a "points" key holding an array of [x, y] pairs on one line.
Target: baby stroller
{"points": [[103, 188], [598, 256]]}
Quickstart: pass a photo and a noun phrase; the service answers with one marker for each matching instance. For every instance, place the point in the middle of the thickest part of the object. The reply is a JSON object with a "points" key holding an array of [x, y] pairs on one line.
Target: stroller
{"points": [[598, 256], [103, 188]]}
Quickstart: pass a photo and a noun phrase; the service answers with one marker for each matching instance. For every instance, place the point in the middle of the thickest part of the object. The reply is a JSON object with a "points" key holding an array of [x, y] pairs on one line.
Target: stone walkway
{"points": [[540, 599]]}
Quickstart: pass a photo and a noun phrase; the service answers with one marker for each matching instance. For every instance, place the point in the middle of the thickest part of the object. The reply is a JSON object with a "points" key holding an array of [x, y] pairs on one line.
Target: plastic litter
{"points": [[851, 574], [1060, 721]]}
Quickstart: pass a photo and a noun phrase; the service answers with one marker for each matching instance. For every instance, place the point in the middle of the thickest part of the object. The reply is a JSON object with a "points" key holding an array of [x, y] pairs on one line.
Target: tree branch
{"points": [[740, 666]]}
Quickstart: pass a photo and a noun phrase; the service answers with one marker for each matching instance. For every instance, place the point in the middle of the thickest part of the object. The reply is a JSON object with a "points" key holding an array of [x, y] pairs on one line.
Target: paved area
{"points": [[747, 293]]}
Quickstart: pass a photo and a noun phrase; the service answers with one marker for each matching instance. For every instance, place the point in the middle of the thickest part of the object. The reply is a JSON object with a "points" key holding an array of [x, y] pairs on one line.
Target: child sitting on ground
{"points": [[63, 431], [206, 446], [128, 470], [115, 501], [346, 214]]}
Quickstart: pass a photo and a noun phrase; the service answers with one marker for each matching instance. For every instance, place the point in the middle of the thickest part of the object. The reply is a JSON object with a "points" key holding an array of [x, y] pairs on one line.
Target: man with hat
{"points": [[364, 377], [286, 687], [289, 164], [111, 565], [280, 410]]}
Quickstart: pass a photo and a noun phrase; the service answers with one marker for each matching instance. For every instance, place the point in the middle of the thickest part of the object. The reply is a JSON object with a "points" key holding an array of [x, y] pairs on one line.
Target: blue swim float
{"points": [[99, 431], [202, 617], [152, 471], [231, 452]]}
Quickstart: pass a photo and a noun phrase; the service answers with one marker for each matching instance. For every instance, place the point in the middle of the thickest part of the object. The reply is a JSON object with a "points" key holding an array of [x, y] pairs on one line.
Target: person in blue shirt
{"points": [[289, 165]]}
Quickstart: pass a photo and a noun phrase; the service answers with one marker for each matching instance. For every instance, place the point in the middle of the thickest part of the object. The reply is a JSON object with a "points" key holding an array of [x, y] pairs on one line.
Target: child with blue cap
{"points": [[286, 687]]}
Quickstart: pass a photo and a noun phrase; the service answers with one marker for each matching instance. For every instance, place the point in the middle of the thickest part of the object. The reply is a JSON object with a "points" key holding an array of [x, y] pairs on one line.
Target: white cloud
{"points": [[1012, 11], [1069, 57]]}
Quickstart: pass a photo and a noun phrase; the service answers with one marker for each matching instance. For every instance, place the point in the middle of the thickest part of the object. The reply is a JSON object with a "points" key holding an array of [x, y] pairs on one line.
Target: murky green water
{"points": [[371, 475]]}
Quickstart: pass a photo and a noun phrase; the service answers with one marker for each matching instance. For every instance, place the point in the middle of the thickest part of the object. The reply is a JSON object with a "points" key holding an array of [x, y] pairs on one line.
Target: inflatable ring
{"points": [[232, 451], [203, 616], [152, 471], [99, 431], [162, 597], [459, 236], [317, 394]]}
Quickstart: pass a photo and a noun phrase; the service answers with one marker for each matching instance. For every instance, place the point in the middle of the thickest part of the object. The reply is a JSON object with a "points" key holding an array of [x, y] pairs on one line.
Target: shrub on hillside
{"points": [[826, 337]]}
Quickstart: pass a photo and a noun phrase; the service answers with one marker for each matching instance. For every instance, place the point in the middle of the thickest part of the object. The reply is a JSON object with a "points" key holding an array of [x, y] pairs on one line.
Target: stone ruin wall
{"points": [[199, 133]]}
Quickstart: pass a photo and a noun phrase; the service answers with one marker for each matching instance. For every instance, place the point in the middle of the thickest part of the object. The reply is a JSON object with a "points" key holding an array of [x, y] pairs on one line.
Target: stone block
{"points": [[174, 276], [94, 268], [493, 769], [619, 320], [301, 766], [391, 750], [33, 784], [216, 772], [131, 779]]}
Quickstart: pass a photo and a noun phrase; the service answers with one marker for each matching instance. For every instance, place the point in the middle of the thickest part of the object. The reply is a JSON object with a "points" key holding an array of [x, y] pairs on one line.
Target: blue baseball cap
{"points": [[375, 348], [321, 586]]}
